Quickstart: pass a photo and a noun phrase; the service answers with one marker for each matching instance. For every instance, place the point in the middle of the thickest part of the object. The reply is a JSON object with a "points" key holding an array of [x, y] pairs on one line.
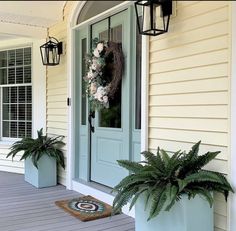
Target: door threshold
{"points": [[98, 191]]}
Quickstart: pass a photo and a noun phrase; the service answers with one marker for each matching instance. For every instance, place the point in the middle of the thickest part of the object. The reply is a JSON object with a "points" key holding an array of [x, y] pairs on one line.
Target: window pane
{"points": [[27, 74], [13, 111], [11, 58], [28, 112], [19, 57], [13, 129], [29, 94], [11, 76], [29, 129], [83, 99], [6, 112], [6, 95], [111, 117], [21, 111], [16, 100], [3, 76], [22, 94], [19, 75], [5, 130], [3, 59], [21, 129], [27, 56], [13, 94]]}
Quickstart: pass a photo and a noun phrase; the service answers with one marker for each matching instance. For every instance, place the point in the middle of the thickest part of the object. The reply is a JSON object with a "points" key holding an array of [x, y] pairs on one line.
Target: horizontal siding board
{"points": [[61, 125], [57, 118], [199, 34], [203, 46], [57, 84], [201, 20], [175, 145], [56, 111], [204, 85], [185, 111], [215, 57], [58, 91], [205, 98], [57, 98], [57, 131], [57, 105], [194, 10], [194, 73], [213, 138], [215, 125]]}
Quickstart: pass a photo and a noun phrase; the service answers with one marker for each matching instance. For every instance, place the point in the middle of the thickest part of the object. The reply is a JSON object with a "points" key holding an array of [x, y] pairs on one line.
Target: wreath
{"points": [[104, 73]]}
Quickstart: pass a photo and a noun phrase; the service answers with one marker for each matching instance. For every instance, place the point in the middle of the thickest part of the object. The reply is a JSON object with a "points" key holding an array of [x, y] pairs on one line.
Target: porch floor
{"points": [[25, 208]]}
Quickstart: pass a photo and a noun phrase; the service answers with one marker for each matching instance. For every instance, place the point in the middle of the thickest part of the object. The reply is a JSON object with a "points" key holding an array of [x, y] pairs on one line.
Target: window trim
{"points": [[38, 83], [7, 85]]}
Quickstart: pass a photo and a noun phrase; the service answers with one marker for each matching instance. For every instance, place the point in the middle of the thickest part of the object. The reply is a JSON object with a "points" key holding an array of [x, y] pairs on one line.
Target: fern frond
{"points": [[158, 200], [130, 165]]}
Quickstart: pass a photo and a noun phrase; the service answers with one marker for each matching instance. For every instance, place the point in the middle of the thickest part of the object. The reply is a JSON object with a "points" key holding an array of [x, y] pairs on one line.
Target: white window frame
{"points": [[13, 85], [38, 82]]}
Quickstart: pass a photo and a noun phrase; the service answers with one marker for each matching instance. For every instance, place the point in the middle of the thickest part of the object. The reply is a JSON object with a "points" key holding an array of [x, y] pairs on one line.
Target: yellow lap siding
{"points": [[189, 86]]}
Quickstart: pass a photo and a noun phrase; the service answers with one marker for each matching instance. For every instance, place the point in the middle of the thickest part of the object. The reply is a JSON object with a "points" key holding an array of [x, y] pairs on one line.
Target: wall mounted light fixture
{"points": [[155, 16], [51, 51]]}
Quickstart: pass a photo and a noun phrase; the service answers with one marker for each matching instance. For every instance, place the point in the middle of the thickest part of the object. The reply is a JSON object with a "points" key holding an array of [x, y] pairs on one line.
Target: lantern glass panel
{"points": [[155, 16]]}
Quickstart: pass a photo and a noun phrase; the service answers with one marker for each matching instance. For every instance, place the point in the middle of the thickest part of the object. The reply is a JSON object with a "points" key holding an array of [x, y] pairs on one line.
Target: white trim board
{"points": [[74, 185], [232, 160]]}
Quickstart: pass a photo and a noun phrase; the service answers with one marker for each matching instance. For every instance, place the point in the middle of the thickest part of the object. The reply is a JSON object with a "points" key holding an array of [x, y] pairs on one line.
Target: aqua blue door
{"points": [[116, 129], [111, 138]]}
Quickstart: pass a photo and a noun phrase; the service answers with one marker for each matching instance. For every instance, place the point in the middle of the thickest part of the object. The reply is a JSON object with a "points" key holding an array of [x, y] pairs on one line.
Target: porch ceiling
{"points": [[33, 14]]}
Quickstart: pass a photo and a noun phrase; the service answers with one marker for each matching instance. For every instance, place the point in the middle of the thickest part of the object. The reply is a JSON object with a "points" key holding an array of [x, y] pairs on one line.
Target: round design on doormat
{"points": [[86, 206]]}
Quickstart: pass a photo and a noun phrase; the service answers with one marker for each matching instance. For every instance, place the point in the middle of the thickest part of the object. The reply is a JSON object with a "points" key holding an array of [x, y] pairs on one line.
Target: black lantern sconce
{"points": [[155, 16], [51, 51]]}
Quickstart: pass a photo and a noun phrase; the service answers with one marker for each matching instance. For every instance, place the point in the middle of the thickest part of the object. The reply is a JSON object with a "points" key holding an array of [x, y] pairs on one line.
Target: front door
{"points": [[116, 132], [110, 139]]}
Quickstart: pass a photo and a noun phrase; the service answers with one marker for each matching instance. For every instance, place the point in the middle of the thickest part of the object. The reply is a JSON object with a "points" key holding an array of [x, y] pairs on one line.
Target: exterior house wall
{"points": [[38, 97], [189, 86], [56, 87]]}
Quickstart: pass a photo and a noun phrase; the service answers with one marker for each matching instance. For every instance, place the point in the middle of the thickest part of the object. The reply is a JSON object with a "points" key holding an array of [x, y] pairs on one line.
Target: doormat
{"points": [[86, 208]]}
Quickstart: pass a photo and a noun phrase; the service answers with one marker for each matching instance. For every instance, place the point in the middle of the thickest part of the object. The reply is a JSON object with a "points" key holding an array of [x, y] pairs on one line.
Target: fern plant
{"points": [[36, 148], [163, 179]]}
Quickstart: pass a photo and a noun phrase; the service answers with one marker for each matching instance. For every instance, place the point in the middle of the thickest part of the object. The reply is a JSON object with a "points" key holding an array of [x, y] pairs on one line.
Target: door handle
{"points": [[90, 117]]}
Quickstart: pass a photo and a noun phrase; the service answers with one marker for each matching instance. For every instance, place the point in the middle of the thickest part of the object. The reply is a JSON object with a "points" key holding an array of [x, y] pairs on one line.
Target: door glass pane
{"points": [[111, 117], [138, 79], [83, 85]]}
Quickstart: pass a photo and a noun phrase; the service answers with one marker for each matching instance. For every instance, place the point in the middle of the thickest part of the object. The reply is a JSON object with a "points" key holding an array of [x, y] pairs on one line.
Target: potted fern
{"points": [[41, 156], [177, 184]]}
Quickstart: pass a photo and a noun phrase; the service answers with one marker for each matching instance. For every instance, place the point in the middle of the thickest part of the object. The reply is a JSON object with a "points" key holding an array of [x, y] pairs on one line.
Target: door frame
{"points": [[70, 182]]}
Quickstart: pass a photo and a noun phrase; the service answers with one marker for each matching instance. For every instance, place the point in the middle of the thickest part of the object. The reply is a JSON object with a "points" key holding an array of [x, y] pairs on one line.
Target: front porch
{"points": [[25, 208]]}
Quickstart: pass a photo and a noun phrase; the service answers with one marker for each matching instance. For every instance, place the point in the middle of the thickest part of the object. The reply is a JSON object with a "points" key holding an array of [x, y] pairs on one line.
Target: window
{"points": [[16, 93]]}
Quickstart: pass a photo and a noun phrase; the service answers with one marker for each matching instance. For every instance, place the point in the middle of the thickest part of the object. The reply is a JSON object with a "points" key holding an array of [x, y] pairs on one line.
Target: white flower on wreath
{"points": [[100, 47], [101, 92], [105, 99], [91, 75], [93, 88], [96, 53]]}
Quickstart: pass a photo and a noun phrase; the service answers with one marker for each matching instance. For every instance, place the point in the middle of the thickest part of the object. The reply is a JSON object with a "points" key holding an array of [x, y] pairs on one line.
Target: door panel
{"points": [[110, 141]]}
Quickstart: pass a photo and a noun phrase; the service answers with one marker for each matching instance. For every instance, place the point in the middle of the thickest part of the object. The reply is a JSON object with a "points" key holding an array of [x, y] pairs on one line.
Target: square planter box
{"points": [[185, 215], [45, 175]]}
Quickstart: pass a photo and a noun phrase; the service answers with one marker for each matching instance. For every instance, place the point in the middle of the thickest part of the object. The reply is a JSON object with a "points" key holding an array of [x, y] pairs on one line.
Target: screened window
{"points": [[16, 93]]}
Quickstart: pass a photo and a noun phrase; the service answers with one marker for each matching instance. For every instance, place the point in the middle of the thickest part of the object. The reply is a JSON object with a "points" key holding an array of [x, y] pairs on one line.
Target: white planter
{"points": [[185, 215], [45, 175]]}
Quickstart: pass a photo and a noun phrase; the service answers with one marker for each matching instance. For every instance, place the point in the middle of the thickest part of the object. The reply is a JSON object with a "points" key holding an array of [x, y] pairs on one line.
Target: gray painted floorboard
{"points": [[25, 208]]}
